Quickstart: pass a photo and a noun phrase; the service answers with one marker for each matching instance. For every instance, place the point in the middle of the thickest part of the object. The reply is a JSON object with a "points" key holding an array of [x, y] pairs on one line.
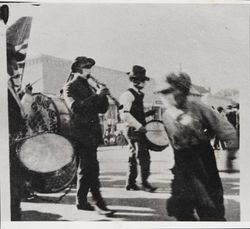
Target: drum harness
{"points": [[38, 197]]}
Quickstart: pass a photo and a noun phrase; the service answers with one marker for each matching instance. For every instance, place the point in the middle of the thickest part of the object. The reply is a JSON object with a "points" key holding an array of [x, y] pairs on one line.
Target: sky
{"points": [[208, 41]]}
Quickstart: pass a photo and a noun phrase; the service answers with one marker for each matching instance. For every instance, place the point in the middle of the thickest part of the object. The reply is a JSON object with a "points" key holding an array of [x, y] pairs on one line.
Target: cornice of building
{"points": [[54, 60], [44, 58], [220, 97], [33, 60], [48, 59], [109, 69]]}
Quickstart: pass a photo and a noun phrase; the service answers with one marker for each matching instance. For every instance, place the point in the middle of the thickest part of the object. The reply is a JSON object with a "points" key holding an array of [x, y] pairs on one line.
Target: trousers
{"points": [[17, 183], [196, 185], [138, 151], [88, 173]]}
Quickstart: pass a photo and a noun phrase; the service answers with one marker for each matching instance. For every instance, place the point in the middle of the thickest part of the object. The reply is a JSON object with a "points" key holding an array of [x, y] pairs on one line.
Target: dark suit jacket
{"points": [[86, 105], [16, 121]]}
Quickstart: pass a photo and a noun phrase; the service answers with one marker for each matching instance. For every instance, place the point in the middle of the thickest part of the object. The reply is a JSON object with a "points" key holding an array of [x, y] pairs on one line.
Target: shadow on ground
{"points": [[39, 216], [133, 209]]}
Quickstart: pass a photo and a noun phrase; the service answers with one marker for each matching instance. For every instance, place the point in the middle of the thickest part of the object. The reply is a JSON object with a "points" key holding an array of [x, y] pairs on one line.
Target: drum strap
{"points": [[37, 197]]}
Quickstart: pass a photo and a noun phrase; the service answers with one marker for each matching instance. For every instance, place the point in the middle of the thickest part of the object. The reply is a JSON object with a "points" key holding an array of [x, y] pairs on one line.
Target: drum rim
{"points": [[151, 145], [45, 175], [51, 174], [32, 171], [154, 121], [51, 96]]}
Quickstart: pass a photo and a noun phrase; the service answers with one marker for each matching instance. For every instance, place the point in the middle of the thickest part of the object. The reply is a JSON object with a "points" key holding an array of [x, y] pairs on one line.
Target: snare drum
{"points": [[156, 136], [50, 162]]}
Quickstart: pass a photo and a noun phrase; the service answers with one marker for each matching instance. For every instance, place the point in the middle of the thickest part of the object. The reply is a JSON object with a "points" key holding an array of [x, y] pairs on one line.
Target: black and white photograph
{"points": [[124, 112]]}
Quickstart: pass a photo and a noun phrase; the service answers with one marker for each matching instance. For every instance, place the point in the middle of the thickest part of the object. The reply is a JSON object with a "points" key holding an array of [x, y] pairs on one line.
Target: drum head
{"points": [[45, 153], [157, 135]]}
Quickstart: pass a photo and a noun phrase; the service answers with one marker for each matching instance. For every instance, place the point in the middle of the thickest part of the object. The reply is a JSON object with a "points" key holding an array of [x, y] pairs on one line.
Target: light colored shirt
{"points": [[198, 123], [127, 99], [26, 102]]}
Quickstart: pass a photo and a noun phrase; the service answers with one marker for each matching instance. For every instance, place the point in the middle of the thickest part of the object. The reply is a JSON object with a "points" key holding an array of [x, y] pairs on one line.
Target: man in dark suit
{"points": [[86, 103], [17, 129]]}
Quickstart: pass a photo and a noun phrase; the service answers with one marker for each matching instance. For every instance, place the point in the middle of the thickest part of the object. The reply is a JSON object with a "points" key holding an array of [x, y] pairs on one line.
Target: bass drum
{"points": [[48, 113], [49, 161], [156, 136]]}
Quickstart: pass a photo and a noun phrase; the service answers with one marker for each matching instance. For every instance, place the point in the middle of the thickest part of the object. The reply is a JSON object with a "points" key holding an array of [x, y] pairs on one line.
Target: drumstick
{"points": [[36, 81], [17, 140], [31, 84]]}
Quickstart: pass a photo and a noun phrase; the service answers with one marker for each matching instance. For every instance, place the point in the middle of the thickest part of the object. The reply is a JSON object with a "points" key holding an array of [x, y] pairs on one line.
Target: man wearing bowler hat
{"points": [[134, 116], [86, 103]]}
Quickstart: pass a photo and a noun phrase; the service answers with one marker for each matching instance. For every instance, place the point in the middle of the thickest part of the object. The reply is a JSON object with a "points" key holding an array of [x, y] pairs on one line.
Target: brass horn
{"points": [[99, 84]]}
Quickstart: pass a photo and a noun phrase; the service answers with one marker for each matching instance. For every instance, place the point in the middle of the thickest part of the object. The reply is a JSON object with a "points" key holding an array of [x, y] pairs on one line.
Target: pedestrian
{"points": [[134, 116], [237, 111], [217, 141], [86, 103], [231, 115], [190, 125]]}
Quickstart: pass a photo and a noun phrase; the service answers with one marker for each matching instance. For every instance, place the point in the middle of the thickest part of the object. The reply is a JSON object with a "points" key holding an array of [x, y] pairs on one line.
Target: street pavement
{"points": [[130, 205]]}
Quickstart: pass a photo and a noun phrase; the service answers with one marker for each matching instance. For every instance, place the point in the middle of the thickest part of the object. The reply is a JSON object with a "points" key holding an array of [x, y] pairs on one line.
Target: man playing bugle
{"points": [[86, 103]]}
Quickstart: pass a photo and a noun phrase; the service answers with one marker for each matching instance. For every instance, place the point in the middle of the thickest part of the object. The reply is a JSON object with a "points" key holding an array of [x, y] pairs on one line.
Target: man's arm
{"points": [[223, 129], [97, 103], [126, 100]]}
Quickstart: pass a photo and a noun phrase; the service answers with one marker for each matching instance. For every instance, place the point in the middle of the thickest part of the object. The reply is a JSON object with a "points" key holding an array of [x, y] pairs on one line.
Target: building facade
{"points": [[49, 73]]}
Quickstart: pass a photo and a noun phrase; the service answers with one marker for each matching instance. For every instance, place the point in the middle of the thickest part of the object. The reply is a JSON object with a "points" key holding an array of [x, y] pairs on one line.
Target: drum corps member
{"points": [[133, 114], [17, 129], [190, 125], [86, 103]]}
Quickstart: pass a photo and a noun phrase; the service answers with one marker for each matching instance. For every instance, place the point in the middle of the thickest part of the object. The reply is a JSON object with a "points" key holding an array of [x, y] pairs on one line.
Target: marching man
{"points": [[133, 114]]}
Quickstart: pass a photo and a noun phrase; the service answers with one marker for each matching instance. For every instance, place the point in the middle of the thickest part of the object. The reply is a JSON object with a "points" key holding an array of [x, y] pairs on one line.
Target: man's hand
{"points": [[142, 130], [103, 91], [28, 89]]}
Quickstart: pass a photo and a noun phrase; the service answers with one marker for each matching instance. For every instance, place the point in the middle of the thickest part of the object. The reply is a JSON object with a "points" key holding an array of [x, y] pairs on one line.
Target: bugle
{"points": [[99, 84]]}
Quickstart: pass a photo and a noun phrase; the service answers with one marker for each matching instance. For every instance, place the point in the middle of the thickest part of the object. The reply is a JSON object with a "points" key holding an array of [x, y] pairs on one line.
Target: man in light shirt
{"points": [[190, 125], [133, 114]]}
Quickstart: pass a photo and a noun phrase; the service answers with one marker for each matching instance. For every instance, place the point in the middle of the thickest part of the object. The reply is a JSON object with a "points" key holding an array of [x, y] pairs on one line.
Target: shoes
{"points": [[86, 206], [102, 209], [148, 187], [132, 187]]}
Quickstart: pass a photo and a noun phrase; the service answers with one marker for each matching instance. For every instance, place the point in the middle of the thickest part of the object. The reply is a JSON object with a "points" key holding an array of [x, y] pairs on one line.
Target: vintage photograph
{"points": [[124, 112]]}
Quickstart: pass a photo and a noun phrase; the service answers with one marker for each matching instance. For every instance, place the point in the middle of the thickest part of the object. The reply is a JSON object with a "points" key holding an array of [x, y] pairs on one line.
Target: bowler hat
{"points": [[138, 73], [82, 62]]}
